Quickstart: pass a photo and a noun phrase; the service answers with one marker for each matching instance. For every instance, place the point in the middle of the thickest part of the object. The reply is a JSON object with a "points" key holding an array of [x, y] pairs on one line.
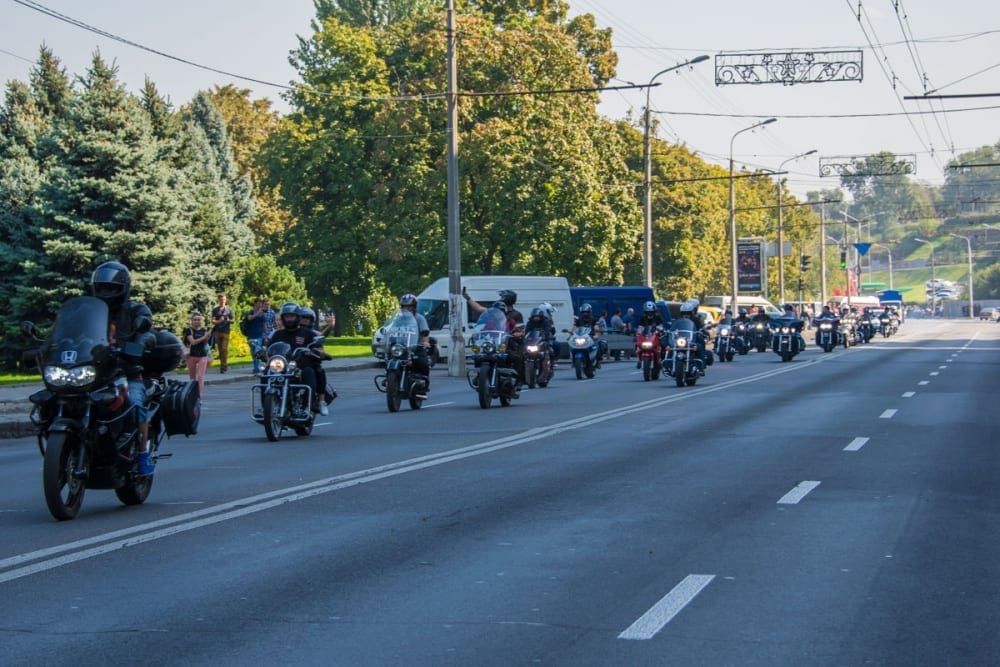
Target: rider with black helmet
{"points": [[507, 297], [297, 336], [128, 322], [587, 319], [651, 317], [307, 320]]}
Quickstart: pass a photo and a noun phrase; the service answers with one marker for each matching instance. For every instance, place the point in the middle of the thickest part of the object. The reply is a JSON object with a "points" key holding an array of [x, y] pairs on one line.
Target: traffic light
{"points": [[804, 266], [843, 259]]}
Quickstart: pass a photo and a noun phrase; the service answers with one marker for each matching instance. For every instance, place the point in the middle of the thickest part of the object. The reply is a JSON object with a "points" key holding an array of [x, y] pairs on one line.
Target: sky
{"points": [[909, 48]]}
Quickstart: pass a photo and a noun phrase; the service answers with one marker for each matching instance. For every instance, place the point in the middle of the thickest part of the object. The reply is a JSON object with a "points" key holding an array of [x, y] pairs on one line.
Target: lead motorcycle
{"points": [[87, 430], [684, 363], [827, 333], [760, 335], [648, 348], [584, 351], [400, 381], [786, 340], [493, 374], [281, 400]]}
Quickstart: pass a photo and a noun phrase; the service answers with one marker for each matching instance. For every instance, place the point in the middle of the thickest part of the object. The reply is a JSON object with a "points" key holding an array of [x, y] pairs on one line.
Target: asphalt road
{"points": [[840, 509]]}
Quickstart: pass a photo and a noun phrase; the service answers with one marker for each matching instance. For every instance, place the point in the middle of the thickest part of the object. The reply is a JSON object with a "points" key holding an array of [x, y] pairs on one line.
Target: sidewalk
{"points": [[15, 407]]}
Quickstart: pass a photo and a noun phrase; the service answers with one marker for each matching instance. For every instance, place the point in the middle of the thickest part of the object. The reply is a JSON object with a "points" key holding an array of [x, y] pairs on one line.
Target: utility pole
{"points": [[456, 305]]}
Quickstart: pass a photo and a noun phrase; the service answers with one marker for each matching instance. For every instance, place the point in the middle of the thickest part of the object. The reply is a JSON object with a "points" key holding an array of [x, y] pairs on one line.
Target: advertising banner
{"points": [[748, 267]]}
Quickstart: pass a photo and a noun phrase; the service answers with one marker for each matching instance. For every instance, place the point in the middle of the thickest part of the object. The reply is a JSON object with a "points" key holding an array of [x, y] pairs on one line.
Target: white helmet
{"points": [[548, 309], [690, 306]]}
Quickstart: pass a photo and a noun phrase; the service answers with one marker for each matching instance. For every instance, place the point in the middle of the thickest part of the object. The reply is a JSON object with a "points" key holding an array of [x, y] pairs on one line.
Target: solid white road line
{"points": [[856, 444], [647, 625], [888, 414], [798, 493]]}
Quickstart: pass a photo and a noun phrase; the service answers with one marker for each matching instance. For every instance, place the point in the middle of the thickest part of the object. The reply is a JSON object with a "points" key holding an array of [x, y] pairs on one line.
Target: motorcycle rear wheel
{"points": [[392, 397], [272, 417], [63, 492], [530, 373], [483, 387]]}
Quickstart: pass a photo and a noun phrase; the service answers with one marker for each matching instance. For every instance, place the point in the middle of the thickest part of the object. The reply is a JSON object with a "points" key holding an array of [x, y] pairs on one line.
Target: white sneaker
{"points": [[323, 410]]}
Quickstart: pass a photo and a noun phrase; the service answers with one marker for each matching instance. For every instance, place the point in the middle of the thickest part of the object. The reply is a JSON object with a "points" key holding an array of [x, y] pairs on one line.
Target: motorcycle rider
{"points": [[587, 319], [420, 363], [689, 313], [650, 317], [508, 297], [293, 333], [796, 324], [549, 312], [307, 320], [828, 315], [128, 322]]}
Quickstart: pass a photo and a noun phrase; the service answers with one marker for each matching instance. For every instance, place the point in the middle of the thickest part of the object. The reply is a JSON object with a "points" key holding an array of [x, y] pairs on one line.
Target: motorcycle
{"points": [[281, 400], [741, 341], [760, 335], [683, 362], [537, 359], [867, 328], [493, 375], [87, 430], [888, 326], [724, 345], [584, 351], [827, 333], [648, 349], [399, 380], [786, 340]]}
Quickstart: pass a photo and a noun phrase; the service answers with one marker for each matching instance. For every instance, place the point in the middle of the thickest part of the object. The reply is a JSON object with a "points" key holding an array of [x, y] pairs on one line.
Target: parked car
{"points": [[990, 314]]}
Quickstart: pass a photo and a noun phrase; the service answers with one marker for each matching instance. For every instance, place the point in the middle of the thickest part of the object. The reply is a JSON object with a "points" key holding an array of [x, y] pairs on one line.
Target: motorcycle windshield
{"points": [[682, 324], [647, 331], [80, 336], [534, 337], [492, 319], [402, 330], [278, 349]]}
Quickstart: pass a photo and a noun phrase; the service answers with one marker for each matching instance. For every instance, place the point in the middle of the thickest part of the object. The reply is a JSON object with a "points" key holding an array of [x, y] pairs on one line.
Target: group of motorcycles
{"points": [[852, 328]]}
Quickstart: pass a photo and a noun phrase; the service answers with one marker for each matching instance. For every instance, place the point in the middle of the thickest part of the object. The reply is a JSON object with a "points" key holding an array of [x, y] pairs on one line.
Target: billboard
{"points": [[749, 276]]}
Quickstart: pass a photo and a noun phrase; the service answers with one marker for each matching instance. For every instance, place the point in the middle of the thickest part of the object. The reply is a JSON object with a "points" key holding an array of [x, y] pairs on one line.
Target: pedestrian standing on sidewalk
{"points": [[196, 338], [222, 322], [254, 328]]}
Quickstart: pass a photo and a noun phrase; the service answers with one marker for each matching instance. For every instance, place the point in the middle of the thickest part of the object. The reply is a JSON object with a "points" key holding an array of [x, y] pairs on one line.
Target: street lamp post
{"points": [[732, 211], [647, 253], [933, 277], [888, 252], [781, 238], [968, 245]]}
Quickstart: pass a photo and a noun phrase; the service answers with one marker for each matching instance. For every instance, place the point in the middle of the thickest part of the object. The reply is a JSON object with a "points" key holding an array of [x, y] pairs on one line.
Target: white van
{"points": [[532, 291], [747, 302]]}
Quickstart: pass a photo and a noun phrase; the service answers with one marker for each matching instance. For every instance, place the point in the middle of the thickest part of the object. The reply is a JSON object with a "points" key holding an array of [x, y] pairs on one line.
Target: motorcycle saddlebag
{"points": [[165, 355], [181, 408]]}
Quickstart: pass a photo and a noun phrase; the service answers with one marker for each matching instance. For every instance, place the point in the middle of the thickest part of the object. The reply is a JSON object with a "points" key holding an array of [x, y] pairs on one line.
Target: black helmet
{"points": [[586, 308], [789, 307], [508, 296], [537, 312], [743, 311], [111, 283], [306, 312], [289, 315], [499, 305], [649, 307], [407, 300]]}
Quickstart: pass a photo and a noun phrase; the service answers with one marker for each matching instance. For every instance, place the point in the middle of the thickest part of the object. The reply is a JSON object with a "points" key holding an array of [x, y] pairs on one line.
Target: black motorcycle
{"points": [[725, 346], [827, 333], [402, 345], [760, 335], [786, 337], [493, 374], [741, 337], [281, 400], [86, 428], [683, 362]]}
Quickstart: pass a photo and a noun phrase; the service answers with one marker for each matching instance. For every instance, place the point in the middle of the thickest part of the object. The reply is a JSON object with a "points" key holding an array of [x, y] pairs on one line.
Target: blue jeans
{"points": [[137, 397], [255, 344]]}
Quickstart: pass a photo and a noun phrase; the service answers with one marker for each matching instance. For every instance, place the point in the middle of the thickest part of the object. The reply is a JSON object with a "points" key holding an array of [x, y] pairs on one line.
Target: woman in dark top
{"points": [[196, 338]]}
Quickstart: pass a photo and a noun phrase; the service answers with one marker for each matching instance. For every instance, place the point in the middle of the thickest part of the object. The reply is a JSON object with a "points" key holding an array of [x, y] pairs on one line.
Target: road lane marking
{"points": [[924, 382], [856, 444], [934, 373], [942, 367], [671, 604], [888, 414], [798, 493], [909, 394]]}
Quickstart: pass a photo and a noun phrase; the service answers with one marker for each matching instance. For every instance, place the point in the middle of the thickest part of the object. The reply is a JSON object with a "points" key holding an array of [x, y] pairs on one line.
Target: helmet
{"points": [[743, 311], [689, 307], [500, 305], [547, 309], [509, 297], [111, 283], [649, 307], [307, 313], [586, 308], [289, 315], [537, 312], [789, 308], [407, 300]]}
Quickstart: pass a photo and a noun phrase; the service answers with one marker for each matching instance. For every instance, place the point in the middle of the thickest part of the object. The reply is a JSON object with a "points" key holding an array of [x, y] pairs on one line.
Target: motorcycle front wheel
{"points": [[578, 367], [272, 417], [647, 369], [545, 372], [530, 373], [589, 370], [63, 491], [392, 397], [483, 387]]}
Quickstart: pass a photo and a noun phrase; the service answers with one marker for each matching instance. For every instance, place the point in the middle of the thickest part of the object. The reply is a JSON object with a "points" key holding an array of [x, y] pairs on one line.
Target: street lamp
{"points": [[732, 209], [968, 245], [888, 251], [933, 277], [647, 254], [781, 238]]}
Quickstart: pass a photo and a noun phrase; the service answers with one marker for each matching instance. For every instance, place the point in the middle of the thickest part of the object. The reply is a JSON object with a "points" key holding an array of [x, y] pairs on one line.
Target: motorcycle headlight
{"points": [[724, 331], [884, 320], [682, 342], [532, 348], [488, 348], [786, 330], [80, 376], [277, 365], [646, 345], [579, 341], [826, 327], [760, 326], [397, 351]]}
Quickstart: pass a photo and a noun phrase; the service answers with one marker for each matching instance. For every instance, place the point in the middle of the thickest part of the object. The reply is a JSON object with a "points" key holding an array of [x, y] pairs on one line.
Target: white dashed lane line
{"points": [[798, 493], [888, 414], [856, 444], [671, 604]]}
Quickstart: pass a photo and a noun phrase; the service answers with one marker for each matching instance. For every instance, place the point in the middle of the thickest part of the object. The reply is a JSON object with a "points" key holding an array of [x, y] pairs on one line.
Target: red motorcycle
{"points": [[649, 350]]}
